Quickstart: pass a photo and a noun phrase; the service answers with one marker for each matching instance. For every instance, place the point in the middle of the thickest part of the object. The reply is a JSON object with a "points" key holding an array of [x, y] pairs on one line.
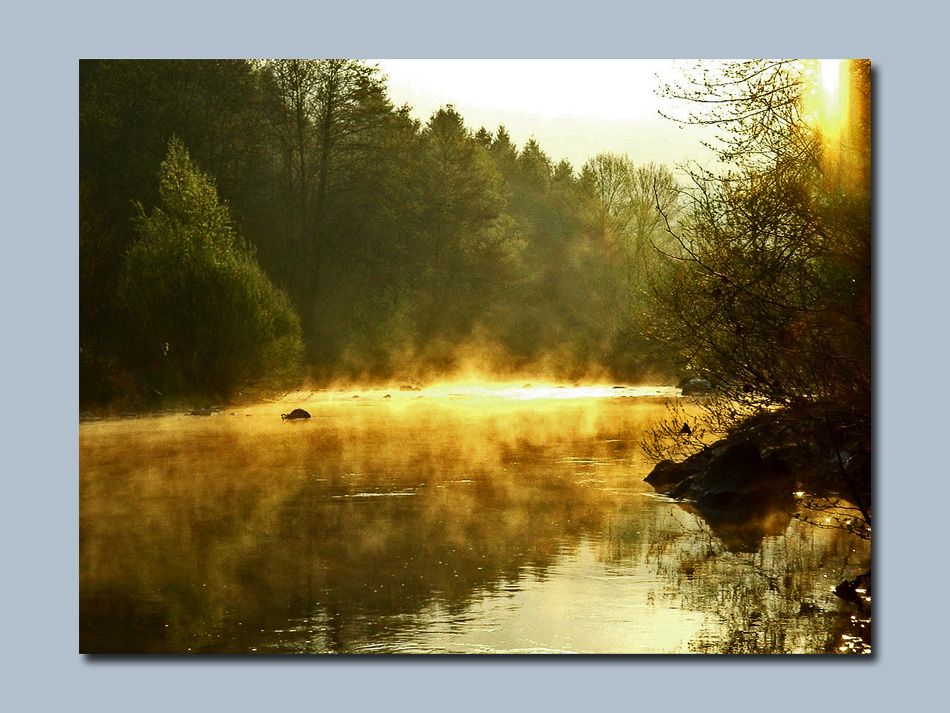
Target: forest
{"points": [[260, 223]]}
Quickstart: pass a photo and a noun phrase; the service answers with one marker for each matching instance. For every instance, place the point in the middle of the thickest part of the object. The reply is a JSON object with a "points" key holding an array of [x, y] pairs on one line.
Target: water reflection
{"points": [[453, 522]]}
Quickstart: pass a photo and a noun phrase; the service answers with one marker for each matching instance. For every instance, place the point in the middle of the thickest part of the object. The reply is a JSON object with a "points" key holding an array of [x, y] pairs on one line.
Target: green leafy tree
{"points": [[202, 315], [128, 109], [627, 207]]}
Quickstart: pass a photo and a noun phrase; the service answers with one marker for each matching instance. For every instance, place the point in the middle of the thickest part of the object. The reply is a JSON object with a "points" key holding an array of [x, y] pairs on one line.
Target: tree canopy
{"points": [[403, 246], [768, 291]]}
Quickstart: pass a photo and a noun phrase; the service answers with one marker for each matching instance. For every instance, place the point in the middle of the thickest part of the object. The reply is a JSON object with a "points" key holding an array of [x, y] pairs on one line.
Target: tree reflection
{"points": [[343, 526], [768, 580], [360, 529]]}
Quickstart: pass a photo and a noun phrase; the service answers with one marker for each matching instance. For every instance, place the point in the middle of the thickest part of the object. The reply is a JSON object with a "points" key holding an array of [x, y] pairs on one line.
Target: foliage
{"points": [[768, 291], [398, 243], [626, 207], [201, 313], [767, 288]]}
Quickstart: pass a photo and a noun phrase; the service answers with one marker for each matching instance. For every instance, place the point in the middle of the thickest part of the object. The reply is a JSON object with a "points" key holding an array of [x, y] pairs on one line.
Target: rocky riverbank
{"points": [[748, 485], [769, 457]]}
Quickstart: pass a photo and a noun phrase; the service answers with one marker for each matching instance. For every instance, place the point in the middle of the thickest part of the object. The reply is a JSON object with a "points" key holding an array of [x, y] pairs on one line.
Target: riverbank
{"points": [[811, 451], [811, 465]]}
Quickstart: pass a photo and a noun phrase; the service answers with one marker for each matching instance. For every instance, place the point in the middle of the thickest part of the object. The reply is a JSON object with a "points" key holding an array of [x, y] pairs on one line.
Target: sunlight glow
{"points": [[826, 101], [830, 75], [484, 393], [527, 391], [573, 108]]}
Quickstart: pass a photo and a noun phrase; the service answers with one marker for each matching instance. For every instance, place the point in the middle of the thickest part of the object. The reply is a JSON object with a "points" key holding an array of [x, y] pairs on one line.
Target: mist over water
{"points": [[463, 517]]}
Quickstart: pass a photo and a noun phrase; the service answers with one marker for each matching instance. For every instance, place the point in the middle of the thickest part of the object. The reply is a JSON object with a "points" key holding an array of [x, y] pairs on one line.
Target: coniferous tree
{"points": [[201, 314]]}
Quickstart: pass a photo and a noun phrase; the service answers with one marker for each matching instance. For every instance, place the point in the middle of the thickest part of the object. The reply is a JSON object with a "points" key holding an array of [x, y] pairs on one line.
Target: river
{"points": [[508, 518]]}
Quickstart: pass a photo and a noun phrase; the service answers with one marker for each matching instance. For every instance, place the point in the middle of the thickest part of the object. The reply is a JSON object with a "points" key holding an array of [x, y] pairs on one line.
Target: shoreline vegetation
{"points": [[768, 299], [282, 222]]}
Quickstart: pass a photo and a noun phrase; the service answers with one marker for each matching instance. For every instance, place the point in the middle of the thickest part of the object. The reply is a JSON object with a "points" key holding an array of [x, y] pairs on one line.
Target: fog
{"points": [[398, 520]]}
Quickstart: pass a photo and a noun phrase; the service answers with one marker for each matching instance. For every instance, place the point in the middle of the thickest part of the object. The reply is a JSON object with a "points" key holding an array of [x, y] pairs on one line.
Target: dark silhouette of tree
{"points": [[466, 242], [128, 110], [328, 117], [768, 289], [773, 257]]}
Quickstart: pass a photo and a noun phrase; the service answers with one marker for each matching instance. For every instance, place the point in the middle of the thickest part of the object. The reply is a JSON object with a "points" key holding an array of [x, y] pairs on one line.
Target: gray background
{"points": [[41, 667]]}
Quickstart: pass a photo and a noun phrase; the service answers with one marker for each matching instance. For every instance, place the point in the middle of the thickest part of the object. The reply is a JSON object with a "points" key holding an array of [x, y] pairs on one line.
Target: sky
{"points": [[574, 109]]}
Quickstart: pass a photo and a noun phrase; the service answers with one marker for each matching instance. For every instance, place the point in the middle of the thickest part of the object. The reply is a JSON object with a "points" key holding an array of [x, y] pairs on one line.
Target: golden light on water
{"points": [[531, 391], [470, 516], [483, 393]]}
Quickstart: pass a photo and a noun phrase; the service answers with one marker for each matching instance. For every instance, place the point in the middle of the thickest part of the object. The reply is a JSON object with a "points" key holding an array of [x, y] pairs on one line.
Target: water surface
{"points": [[456, 519]]}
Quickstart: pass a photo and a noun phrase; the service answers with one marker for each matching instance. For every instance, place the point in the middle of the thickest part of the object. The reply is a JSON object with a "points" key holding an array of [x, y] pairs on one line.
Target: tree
{"points": [[773, 257], [202, 315], [767, 294], [323, 114], [653, 200], [128, 110], [292, 87], [469, 246], [627, 208]]}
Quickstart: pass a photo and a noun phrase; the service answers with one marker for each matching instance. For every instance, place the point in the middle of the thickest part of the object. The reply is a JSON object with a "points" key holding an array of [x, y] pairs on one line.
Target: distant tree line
{"points": [[260, 222]]}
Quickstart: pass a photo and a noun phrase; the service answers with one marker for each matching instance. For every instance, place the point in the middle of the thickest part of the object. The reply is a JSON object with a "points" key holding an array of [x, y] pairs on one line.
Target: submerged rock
{"points": [[295, 415], [857, 591]]}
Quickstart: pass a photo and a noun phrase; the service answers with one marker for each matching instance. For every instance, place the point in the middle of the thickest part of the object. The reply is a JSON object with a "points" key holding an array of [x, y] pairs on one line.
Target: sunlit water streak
{"points": [[499, 518]]}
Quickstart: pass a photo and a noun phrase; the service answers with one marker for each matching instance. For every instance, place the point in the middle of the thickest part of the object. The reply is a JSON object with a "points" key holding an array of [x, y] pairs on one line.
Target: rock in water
{"points": [[296, 414], [695, 387], [736, 476], [666, 474]]}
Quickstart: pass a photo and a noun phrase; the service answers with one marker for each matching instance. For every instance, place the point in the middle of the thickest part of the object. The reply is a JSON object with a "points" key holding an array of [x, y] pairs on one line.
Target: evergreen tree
{"points": [[202, 316]]}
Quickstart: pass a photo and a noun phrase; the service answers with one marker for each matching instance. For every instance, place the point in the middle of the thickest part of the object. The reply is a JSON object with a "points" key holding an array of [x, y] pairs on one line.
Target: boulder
{"points": [[667, 473], [729, 476], [295, 415]]}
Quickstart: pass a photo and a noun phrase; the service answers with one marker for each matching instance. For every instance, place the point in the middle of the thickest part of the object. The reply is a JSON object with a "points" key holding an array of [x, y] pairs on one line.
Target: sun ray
{"points": [[829, 97]]}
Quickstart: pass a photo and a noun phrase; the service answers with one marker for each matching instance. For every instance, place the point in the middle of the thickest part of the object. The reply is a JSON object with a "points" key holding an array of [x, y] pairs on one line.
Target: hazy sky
{"points": [[573, 108]]}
